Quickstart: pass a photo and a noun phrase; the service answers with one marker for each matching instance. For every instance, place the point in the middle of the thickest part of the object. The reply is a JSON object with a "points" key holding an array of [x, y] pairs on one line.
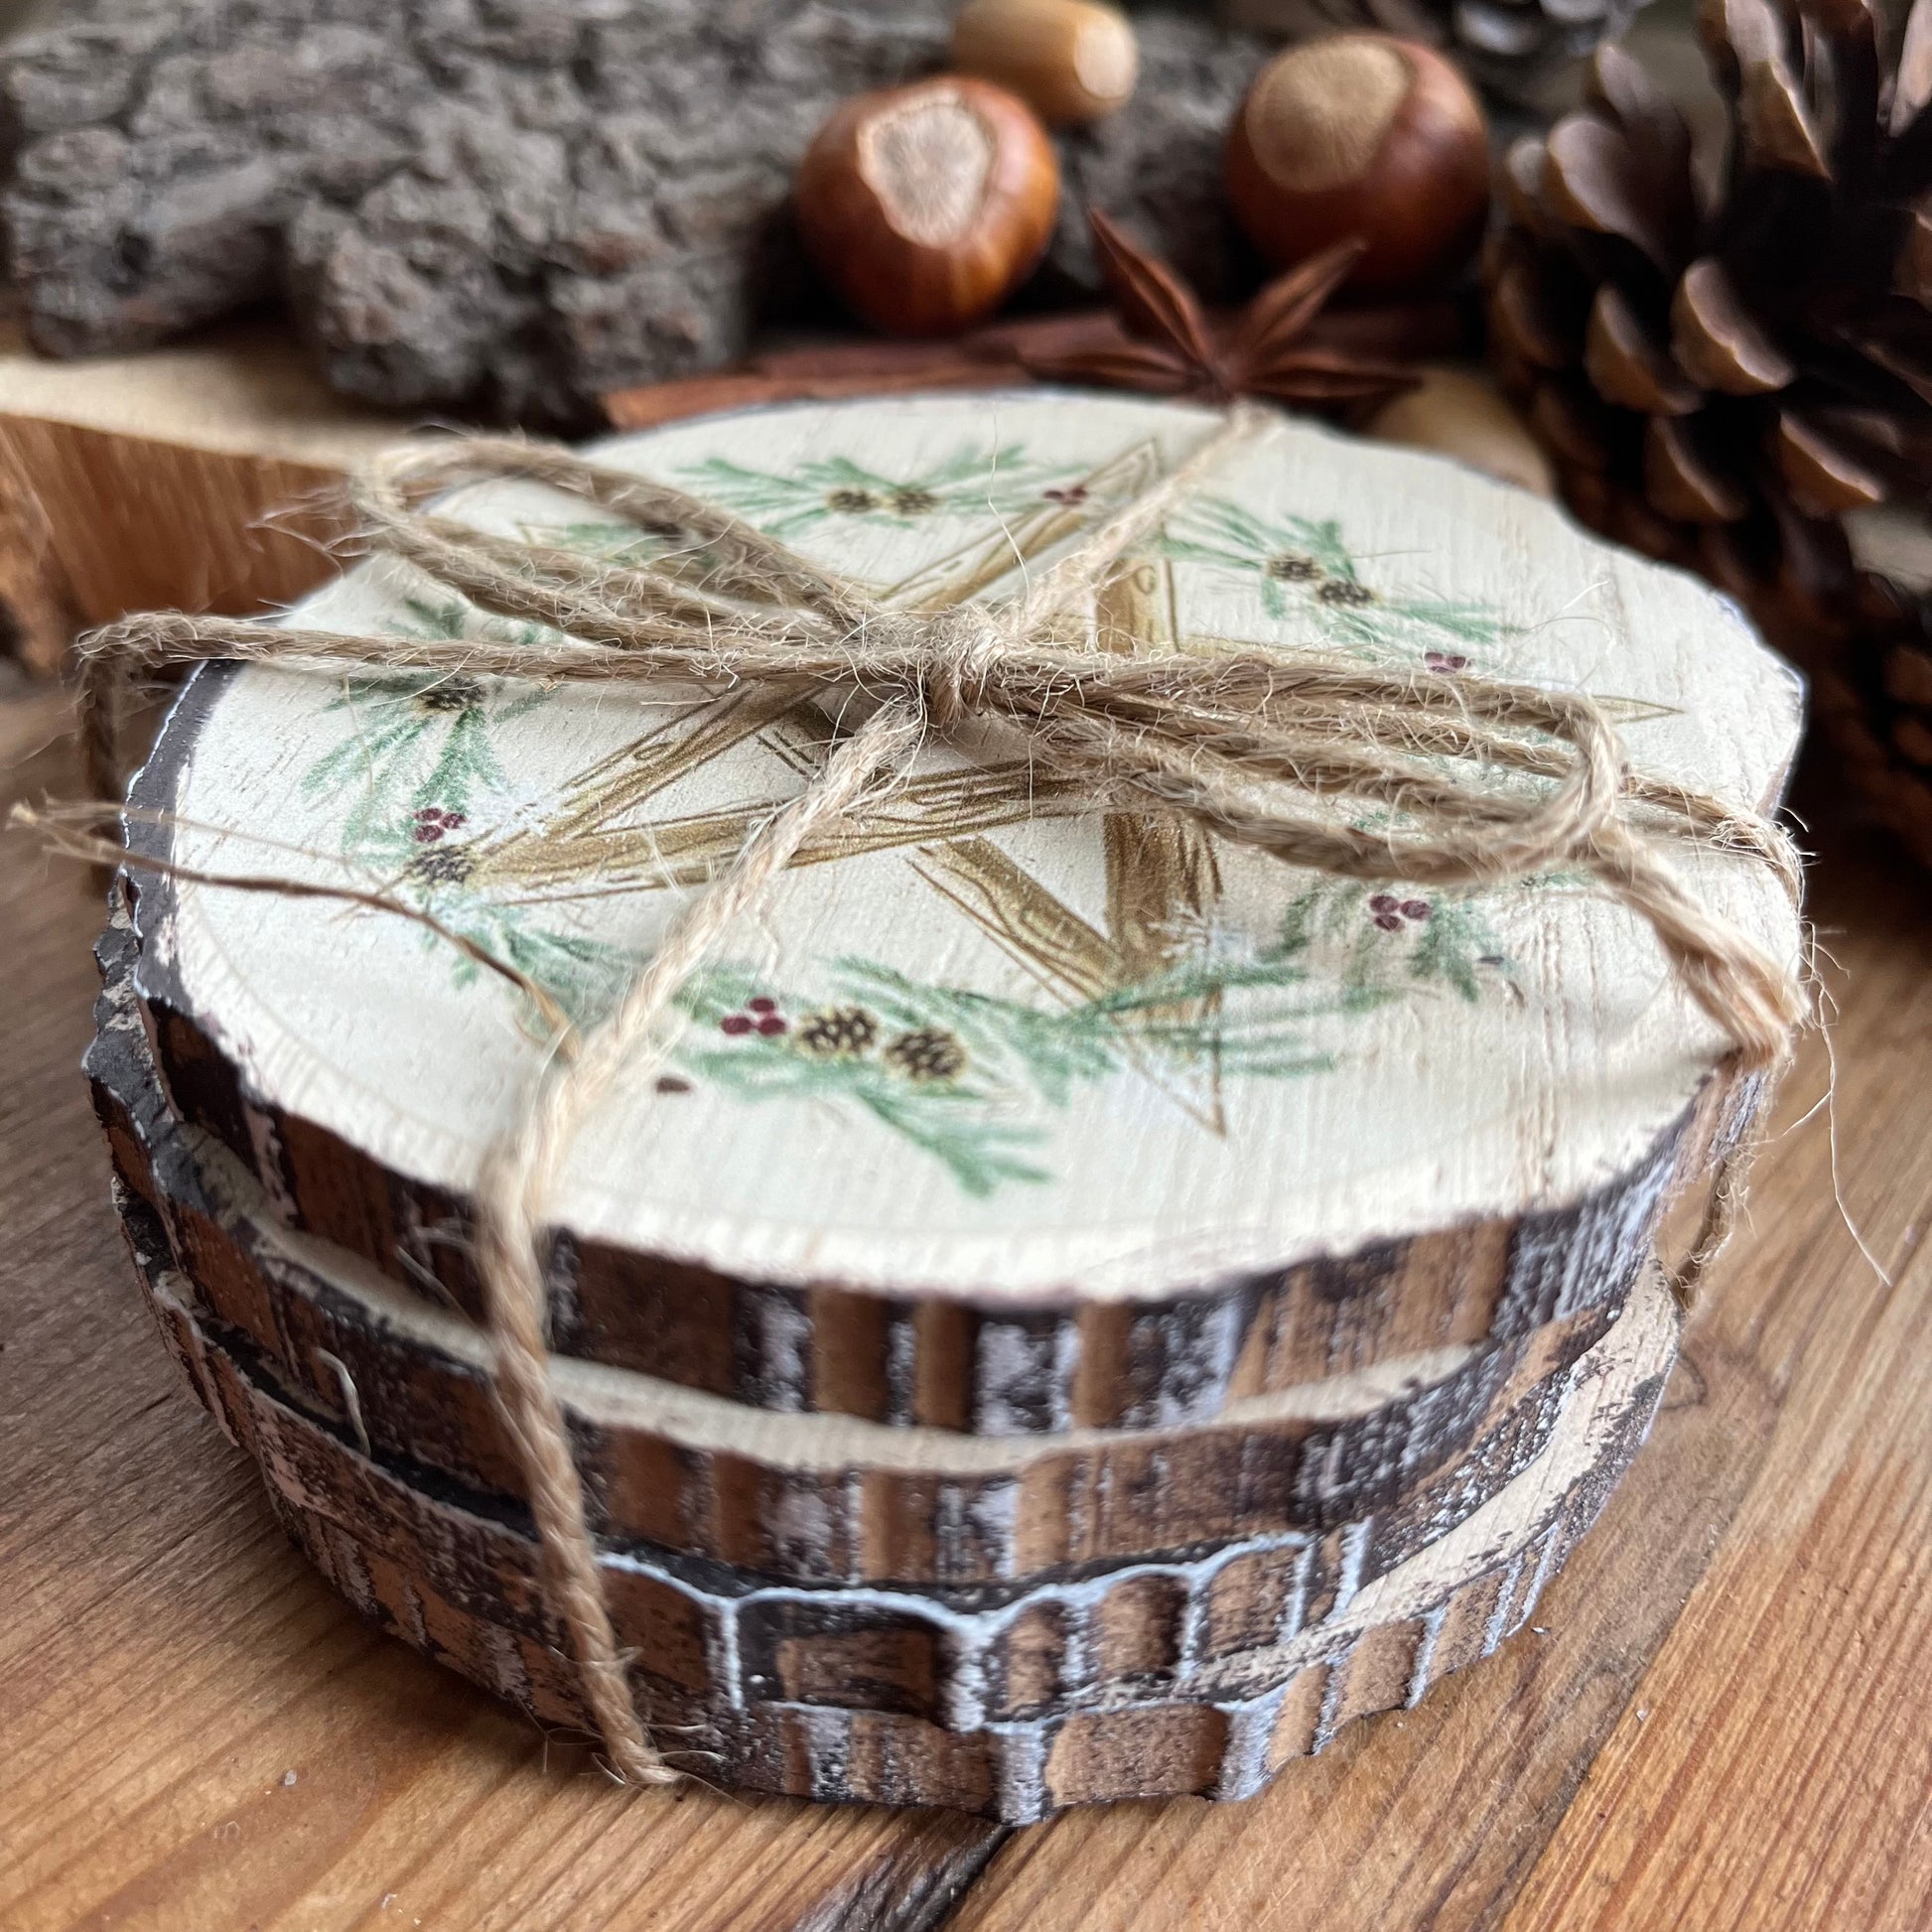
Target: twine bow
{"points": [[1464, 780]]}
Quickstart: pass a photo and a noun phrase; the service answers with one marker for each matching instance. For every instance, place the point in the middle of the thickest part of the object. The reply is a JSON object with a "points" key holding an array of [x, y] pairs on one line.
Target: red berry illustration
{"points": [[762, 1004], [1388, 921], [432, 821], [735, 1024], [770, 1024], [1415, 909], [1382, 903]]}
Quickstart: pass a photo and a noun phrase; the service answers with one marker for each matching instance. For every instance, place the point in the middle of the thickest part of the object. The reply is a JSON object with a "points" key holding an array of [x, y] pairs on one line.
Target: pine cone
{"points": [[1510, 46], [1720, 385], [1872, 689]]}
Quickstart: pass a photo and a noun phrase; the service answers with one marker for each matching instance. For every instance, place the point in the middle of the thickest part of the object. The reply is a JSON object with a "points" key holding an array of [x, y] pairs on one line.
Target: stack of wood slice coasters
{"points": [[1084, 1310]]}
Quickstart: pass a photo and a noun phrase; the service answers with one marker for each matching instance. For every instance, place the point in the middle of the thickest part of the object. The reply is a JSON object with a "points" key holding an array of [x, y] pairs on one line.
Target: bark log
{"points": [[507, 208]]}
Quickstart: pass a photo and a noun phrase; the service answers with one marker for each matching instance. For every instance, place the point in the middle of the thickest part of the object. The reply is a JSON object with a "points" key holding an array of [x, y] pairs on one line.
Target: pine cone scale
{"points": [[1682, 480], [1717, 340], [1627, 366], [1592, 179], [1908, 676], [1825, 480]]}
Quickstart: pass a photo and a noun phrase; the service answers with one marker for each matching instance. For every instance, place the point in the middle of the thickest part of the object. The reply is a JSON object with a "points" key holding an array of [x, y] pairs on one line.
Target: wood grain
{"points": [[909, 1363], [201, 476], [1093, 1688], [166, 1659], [814, 1498], [204, 474]]}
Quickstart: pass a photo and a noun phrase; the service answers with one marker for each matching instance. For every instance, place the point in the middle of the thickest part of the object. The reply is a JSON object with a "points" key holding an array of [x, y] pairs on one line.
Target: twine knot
{"points": [[957, 652], [1372, 775]]}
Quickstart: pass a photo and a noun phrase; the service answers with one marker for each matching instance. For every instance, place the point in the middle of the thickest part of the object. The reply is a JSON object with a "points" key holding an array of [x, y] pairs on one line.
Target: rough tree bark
{"points": [[504, 207]]}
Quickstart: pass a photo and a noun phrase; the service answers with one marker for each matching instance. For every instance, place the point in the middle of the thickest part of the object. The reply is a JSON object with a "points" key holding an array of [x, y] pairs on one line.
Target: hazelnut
{"points": [[1069, 61], [925, 206], [1362, 134]]}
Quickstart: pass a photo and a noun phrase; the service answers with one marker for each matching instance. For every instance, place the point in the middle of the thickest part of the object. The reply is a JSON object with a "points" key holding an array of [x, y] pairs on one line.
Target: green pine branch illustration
{"points": [[417, 763], [583, 976], [1303, 569], [976, 481], [611, 541], [418, 738], [957, 1073], [1370, 936], [969, 1078]]}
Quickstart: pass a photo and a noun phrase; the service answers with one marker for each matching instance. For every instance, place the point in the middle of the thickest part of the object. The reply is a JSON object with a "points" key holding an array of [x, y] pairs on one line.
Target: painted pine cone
{"points": [[838, 1032], [1510, 46], [927, 1053]]}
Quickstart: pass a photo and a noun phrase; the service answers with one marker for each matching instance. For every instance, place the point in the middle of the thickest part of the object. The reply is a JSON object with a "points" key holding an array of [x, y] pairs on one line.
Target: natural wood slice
{"points": [[1116, 1686], [1006, 1117], [996, 1652], [809, 1498], [206, 475], [903, 1362]]}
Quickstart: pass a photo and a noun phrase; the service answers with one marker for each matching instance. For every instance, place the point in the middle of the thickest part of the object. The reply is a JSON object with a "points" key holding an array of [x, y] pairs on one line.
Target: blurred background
{"points": [[1669, 268]]}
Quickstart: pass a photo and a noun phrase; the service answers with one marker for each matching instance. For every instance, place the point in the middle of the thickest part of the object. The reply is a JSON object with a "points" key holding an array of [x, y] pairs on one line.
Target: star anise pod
{"points": [[1162, 341]]}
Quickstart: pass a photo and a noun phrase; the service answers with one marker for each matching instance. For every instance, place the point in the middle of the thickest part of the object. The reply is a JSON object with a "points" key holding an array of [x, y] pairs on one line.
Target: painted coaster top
{"points": [[989, 1046]]}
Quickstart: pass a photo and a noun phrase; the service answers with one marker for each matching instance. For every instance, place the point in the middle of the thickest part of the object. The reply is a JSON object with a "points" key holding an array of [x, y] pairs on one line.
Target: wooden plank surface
{"points": [[1722, 1722]]}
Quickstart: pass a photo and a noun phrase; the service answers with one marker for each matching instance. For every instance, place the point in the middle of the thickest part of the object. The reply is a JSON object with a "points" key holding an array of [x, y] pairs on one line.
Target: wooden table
{"points": [[1723, 1718]]}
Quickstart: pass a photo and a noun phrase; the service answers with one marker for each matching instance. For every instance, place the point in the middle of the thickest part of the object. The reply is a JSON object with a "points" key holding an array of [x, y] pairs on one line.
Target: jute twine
{"points": [[1453, 781]]}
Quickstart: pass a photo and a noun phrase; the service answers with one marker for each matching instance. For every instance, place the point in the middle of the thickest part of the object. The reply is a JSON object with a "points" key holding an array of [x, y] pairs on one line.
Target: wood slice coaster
{"points": [[806, 1498], [1156, 1679], [1009, 1117]]}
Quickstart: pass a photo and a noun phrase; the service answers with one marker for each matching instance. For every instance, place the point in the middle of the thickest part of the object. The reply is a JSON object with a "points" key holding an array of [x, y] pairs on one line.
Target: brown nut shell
{"points": [[1362, 134], [926, 205], [1069, 61]]}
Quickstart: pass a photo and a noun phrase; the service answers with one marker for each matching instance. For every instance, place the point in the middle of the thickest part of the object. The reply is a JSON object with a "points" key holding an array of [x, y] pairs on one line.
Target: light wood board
{"points": [[204, 476], [1719, 1727], [213, 465]]}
